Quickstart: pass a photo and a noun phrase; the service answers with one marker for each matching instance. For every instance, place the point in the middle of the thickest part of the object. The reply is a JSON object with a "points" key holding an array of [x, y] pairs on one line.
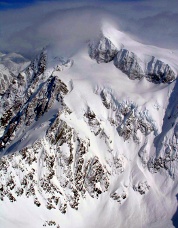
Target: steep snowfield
{"points": [[104, 145]]}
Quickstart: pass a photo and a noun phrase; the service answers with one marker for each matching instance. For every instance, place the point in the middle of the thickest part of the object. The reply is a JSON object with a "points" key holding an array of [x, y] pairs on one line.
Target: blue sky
{"points": [[11, 4], [14, 4]]}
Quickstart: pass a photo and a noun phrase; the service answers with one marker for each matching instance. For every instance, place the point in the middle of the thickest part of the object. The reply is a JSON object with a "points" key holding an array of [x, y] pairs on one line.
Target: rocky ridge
{"points": [[156, 71]]}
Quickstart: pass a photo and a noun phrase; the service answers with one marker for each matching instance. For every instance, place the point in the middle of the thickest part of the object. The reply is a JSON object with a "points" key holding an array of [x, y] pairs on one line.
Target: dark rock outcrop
{"points": [[159, 72], [128, 63], [103, 50]]}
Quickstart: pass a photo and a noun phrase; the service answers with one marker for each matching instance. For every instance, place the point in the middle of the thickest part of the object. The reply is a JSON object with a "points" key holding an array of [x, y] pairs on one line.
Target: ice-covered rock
{"points": [[166, 143], [6, 78], [103, 50], [159, 72], [128, 63], [119, 196], [141, 187]]}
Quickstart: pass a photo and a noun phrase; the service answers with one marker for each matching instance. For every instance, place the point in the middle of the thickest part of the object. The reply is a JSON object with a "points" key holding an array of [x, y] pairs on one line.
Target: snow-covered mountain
{"points": [[14, 62], [91, 140]]}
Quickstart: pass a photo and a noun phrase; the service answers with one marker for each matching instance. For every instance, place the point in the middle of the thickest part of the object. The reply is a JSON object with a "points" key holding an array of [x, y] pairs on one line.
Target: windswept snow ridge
{"points": [[128, 62]]}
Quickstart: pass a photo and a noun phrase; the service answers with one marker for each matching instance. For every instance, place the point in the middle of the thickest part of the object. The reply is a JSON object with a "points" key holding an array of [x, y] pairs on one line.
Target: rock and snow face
{"points": [[158, 72], [102, 50], [128, 63], [6, 78], [155, 70], [83, 146], [166, 143]]}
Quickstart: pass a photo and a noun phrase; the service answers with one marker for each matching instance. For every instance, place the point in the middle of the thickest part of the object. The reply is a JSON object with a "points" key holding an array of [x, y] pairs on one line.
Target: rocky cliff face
{"points": [[159, 72], [128, 63], [166, 156], [155, 71], [103, 50], [6, 78]]}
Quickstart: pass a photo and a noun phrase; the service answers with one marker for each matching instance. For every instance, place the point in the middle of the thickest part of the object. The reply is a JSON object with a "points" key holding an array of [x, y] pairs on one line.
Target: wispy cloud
{"points": [[26, 30]]}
